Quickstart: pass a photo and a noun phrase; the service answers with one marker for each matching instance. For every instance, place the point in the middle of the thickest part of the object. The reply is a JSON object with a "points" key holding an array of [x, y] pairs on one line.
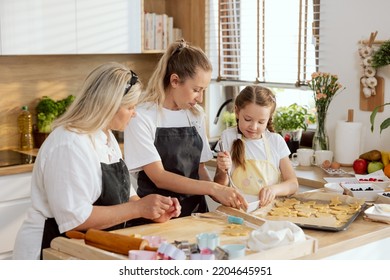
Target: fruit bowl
{"points": [[367, 191]]}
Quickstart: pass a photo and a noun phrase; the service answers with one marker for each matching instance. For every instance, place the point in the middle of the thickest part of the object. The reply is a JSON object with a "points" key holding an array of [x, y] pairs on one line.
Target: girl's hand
{"points": [[224, 161], [266, 196]]}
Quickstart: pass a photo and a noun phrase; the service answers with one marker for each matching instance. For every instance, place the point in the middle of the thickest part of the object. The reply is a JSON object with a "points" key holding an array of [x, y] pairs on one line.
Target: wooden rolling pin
{"points": [[112, 242]]}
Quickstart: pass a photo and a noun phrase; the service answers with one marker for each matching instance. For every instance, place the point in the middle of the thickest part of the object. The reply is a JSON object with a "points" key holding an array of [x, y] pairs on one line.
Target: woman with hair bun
{"points": [[166, 146]]}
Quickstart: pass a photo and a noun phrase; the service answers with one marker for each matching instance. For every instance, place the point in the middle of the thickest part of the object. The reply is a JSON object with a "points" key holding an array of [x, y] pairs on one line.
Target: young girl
{"points": [[166, 144], [259, 156]]}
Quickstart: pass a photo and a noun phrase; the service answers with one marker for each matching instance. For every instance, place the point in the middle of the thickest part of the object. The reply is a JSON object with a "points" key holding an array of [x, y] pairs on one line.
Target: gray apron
{"points": [[115, 190], [180, 149]]}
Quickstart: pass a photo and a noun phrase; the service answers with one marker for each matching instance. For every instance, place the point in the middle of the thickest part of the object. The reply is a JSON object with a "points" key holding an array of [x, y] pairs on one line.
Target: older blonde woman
{"points": [[79, 179]]}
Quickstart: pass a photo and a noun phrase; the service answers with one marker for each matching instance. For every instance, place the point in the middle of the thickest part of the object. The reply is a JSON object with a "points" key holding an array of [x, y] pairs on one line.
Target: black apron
{"points": [[180, 149], [115, 190]]}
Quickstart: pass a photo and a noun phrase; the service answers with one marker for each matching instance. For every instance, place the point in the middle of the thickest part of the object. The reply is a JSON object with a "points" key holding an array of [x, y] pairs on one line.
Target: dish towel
{"points": [[274, 234]]}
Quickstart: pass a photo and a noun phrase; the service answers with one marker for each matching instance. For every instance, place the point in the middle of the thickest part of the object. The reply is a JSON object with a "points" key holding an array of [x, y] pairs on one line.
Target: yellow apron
{"points": [[257, 173]]}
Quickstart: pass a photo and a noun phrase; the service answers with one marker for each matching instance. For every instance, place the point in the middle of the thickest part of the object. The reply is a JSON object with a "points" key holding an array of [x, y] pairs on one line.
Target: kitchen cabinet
{"points": [[14, 202], [38, 27], [42, 27], [108, 26], [70, 27]]}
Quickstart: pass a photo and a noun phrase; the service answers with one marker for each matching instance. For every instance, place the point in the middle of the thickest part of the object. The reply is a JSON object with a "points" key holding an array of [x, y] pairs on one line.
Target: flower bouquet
{"points": [[325, 86]]}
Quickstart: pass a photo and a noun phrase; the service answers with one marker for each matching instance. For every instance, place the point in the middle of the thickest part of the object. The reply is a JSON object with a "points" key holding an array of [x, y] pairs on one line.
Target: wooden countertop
{"points": [[359, 233], [22, 168], [326, 243]]}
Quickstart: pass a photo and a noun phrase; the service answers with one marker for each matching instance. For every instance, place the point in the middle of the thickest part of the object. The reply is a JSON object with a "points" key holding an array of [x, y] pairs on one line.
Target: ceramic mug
{"points": [[302, 157], [320, 156]]}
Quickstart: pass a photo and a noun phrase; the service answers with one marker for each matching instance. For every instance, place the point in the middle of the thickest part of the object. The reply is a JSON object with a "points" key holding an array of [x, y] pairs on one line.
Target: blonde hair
{"points": [[100, 97], [180, 59], [258, 95]]}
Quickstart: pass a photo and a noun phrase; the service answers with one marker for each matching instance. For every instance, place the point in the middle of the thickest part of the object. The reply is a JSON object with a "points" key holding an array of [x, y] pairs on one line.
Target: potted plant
{"points": [[290, 121], [229, 119], [47, 111]]}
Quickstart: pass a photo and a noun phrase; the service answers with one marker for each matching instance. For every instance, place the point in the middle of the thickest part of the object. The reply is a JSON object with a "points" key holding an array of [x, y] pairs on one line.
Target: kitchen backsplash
{"points": [[25, 79]]}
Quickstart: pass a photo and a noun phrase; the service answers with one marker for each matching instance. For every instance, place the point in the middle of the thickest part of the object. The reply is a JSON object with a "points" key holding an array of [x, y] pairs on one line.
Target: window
{"points": [[275, 42]]}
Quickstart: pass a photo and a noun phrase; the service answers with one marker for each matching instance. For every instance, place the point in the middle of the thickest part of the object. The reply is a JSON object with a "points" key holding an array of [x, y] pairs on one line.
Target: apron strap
{"points": [[266, 147]]}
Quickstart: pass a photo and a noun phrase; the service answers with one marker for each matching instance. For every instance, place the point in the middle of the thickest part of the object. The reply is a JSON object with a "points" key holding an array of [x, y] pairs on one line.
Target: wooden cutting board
{"points": [[187, 228], [369, 104]]}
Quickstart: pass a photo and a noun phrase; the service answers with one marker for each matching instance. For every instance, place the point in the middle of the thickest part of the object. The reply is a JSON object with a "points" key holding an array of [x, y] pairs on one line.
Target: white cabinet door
{"points": [[12, 216], [14, 202], [38, 26], [108, 26]]}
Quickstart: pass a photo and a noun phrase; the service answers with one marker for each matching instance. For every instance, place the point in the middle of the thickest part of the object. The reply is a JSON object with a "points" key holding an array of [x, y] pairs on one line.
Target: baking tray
{"points": [[330, 228], [345, 200]]}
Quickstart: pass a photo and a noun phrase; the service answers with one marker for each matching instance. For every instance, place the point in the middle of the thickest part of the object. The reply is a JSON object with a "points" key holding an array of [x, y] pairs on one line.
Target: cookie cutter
{"points": [[234, 250], [207, 241], [142, 255], [167, 251], [154, 240], [186, 247]]}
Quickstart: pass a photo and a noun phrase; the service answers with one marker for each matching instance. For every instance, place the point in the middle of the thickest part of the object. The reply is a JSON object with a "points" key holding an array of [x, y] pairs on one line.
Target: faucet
{"points": [[220, 109]]}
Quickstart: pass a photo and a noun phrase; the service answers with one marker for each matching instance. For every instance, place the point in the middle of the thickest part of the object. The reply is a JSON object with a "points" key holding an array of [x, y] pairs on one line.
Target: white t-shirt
{"points": [[139, 149], [66, 181], [254, 148]]}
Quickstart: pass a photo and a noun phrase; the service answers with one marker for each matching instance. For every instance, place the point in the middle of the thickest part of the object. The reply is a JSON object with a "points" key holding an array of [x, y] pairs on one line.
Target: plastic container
{"points": [[367, 191], [25, 126], [333, 187]]}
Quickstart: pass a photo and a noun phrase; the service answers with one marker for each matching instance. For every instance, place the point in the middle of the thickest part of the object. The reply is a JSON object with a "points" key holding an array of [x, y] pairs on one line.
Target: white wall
{"points": [[344, 23]]}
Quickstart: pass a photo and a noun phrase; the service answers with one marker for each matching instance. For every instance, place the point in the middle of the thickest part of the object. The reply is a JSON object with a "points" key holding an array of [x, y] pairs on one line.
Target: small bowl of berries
{"points": [[377, 179], [368, 191]]}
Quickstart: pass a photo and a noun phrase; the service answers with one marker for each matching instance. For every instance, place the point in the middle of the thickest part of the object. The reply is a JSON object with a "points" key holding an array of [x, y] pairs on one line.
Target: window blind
{"points": [[263, 41]]}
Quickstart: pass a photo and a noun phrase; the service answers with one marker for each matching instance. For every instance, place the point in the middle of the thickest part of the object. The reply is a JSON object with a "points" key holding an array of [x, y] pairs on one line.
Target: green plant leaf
{"points": [[385, 124], [372, 117]]}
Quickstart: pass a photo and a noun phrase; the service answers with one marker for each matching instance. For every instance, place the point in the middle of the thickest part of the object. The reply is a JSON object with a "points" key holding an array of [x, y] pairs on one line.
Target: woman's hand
{"points": [[158, 208], [266, 196], [173, 212]]}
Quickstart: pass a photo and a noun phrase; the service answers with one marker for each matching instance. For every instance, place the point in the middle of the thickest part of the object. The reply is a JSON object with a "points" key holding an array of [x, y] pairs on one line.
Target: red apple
{"points": [[360, 166]]}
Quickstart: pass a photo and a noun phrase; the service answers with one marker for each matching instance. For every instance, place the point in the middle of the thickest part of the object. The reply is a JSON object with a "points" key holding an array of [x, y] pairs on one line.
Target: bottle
{"points": [[25, 129]]}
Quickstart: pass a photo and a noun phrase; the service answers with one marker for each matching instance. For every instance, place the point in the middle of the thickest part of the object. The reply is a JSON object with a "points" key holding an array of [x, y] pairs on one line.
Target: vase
{"points": [[320, 138]]}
